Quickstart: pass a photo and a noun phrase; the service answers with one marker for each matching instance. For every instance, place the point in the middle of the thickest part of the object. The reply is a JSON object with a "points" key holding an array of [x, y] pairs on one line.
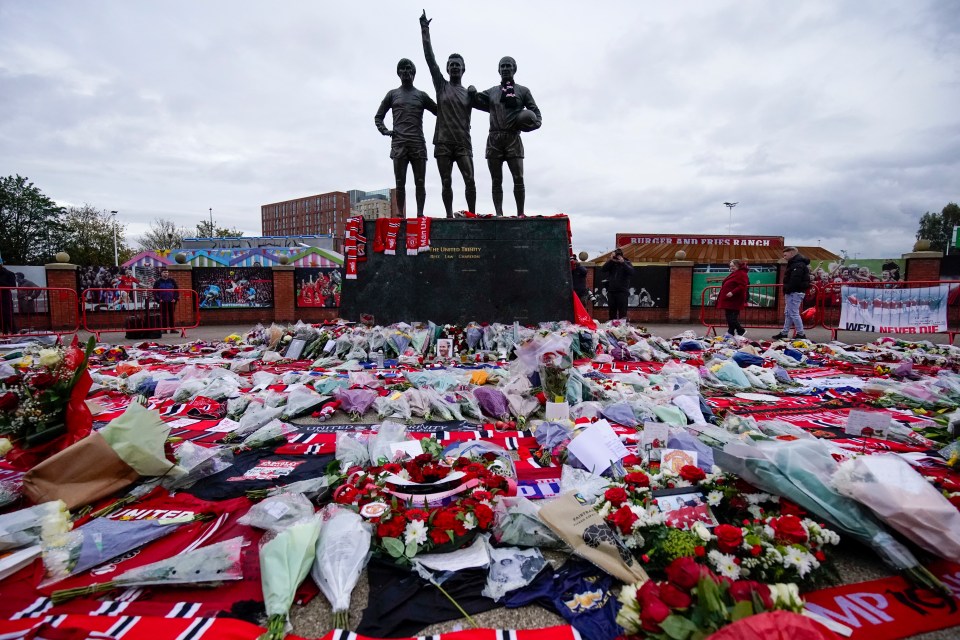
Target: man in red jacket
{"points": [[733, 297]]}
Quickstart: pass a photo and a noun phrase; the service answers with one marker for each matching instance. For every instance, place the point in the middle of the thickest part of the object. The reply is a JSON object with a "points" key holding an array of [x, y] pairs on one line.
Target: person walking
{"points": [[578, 274], [167, 297], [733, 297], [796, 281], [618, 272]]}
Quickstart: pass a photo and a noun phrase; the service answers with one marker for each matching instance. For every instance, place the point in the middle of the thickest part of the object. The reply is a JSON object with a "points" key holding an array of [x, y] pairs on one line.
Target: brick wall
{"points": [[922, 266], [681, 288], [283, 294], [64, 309]]}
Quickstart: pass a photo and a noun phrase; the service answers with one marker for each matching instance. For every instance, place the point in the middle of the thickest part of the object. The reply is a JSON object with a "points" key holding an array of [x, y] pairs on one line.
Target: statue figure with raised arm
{"points": [[451, 137], [512, 110], [407, 146]]}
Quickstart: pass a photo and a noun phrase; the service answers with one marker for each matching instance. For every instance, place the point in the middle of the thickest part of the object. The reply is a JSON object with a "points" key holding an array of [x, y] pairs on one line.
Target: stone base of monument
{"points": [[487, 270]]}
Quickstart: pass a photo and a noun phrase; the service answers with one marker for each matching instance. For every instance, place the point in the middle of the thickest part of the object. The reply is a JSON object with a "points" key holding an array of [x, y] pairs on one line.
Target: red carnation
{"points": [[446, 519], [417, 514], [484, 515], [392, 467], [653, 613], [675, 598], [729, 537], [789, 529], [347, 494], [392, 528], [684, 573], [690, 473], [638, 478], [616, 495], [623, 518], [481, 495]]}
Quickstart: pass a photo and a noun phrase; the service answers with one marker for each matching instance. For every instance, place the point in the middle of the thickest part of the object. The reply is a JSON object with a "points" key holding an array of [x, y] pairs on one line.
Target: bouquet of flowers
{"points": [[356, 402], [459, 507], [27, 527], [285, 561], [42, 407], [207, 566], [342, 551], [693, 602]]}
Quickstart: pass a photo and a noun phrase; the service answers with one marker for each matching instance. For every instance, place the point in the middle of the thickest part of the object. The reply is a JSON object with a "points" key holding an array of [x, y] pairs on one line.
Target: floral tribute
{"points": [[42, 406], [694, 602], [403, 529], [763, 538]]}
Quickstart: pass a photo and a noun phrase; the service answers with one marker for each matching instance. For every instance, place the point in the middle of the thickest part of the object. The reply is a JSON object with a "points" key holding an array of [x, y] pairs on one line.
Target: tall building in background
{"points": [[371, 209], [387, 195], [325, 213]]}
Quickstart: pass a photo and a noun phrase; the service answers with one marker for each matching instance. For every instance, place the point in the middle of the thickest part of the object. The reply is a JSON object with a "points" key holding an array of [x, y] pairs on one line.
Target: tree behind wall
{"points": [[89, 236], [163, 235], [31, 223], [938, 227], [207, 230]]}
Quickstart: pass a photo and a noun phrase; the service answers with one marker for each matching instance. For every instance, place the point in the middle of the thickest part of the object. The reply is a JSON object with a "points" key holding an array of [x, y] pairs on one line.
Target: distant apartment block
{"points": [[324, 213]]}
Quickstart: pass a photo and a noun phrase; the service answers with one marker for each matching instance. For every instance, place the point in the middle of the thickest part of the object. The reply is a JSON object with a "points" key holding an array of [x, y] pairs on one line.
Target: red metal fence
{"points": [[763, 310], [139, 310], [38, 312]]}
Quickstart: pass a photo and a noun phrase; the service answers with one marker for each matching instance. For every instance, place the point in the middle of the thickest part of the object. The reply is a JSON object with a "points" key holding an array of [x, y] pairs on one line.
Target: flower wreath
{"points": [[404, 528], [772, 544]]}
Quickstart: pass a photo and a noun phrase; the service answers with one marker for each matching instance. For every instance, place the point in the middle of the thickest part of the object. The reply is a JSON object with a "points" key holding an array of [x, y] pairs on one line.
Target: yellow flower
{"points": [[49, 357], [5, 446]]}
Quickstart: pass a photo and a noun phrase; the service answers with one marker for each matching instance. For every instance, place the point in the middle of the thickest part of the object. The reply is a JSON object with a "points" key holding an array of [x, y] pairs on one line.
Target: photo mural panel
{"points": [[712, 275], [110, 288], [316, 287], [649, 288], [234, 287]]}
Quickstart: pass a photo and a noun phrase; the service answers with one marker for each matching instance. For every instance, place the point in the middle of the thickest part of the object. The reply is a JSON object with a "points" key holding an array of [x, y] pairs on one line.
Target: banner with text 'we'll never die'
{"points": [[895, 310]]}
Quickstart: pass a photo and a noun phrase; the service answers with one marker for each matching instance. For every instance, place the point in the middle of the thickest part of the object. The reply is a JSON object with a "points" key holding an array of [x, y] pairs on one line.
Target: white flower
{"points": [[757, 498], [786, 595], [415, 531], [755, 511], [724, 564], [714, 498], [701, 530], [470, 522], [798, 558], [49, 357], [605, 509]]}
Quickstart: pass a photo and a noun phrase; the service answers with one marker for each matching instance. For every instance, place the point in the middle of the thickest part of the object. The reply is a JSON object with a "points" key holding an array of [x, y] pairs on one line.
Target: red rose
{"points": [[789, 529], [789, 508], [744, 590], [9, 401], [623, 518], [729, 538], [684, 573], [42, 380], [484, 515], [392, 528], [616, 495], [638, 478], [675, 598], [649, 590], [652, 614], [691, 473]]}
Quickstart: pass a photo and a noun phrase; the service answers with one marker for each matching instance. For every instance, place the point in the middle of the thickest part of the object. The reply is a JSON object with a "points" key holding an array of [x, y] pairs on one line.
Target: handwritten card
{"points": [[876, 422], [655, 434], [597, 447]]}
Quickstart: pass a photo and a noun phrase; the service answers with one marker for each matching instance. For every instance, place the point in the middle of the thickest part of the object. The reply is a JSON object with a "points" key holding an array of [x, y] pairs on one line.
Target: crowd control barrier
{"points": [[911, 308], [38, 312], [141, 313], [763, 309]]}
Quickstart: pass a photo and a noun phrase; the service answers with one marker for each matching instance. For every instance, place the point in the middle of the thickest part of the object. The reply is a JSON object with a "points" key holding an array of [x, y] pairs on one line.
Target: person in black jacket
{"points": [[618, 273], [7, 282], [796, 281]]}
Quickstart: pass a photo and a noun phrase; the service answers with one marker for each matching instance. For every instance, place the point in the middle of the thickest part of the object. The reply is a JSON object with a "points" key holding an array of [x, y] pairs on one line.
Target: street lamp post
{"points": [[116, 255], [730, 206]]}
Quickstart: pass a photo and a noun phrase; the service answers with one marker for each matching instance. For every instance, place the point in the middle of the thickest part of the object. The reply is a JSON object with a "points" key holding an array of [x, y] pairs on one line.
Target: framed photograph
{"points": [[684, 506], [295, 348], [445, 348]]}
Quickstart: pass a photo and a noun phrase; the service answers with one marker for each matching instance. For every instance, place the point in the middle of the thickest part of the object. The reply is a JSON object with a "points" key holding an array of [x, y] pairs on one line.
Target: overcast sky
{"points": [[830, 122]]}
